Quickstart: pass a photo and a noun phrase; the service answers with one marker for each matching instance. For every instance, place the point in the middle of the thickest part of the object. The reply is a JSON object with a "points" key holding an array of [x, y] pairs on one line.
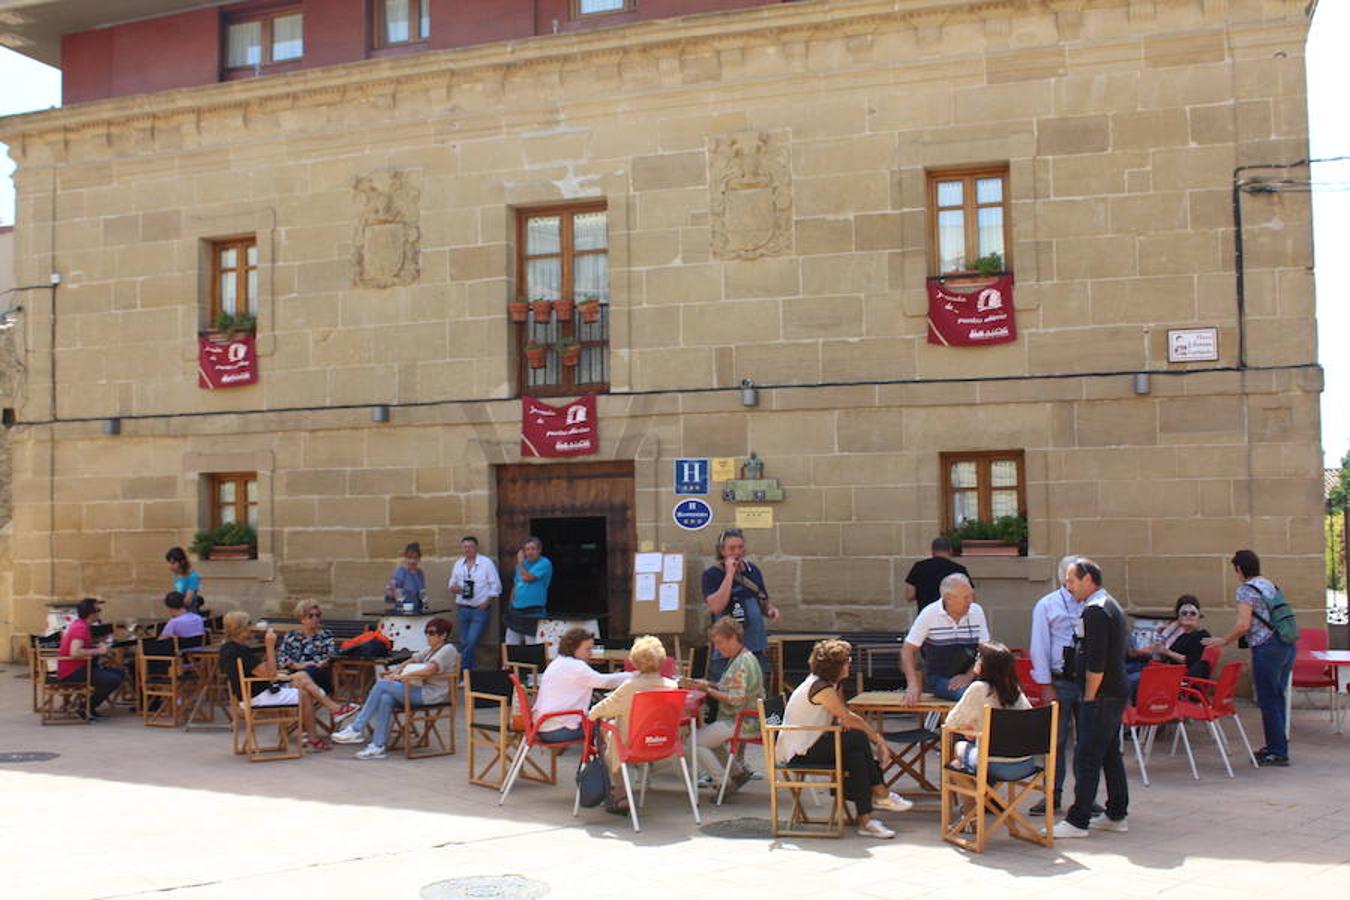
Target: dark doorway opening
{"points": [[576, 547]]}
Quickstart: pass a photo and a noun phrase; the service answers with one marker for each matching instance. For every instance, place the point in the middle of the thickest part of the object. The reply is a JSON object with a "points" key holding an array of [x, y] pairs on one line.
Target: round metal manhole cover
{"points": [[742, 828], [27, 756], [498, 887]]}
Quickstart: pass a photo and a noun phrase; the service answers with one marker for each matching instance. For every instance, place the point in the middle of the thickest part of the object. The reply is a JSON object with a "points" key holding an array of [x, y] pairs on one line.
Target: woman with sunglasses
{"points": [[311, 647], [440, 656], [1180, 643]]}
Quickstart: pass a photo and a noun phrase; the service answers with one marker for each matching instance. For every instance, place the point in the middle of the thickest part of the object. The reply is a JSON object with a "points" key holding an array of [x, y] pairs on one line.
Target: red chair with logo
{"points": [[653, 735], [530, 740], [738, 741], [1022, 665], [1209, 701], [1156, 704]]}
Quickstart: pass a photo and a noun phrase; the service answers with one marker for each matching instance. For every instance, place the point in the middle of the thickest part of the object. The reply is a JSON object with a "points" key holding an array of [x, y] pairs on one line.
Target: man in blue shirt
{"points": [[734, 587], [529, 593], [1053, 624]]}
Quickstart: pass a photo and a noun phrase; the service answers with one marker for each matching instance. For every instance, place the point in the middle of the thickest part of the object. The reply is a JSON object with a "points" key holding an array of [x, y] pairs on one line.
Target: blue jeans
{"points": [[1097, 754], [939, 686], [379, 708], [1070, 696], [473, 621], [561, 735], [1271, 664]]}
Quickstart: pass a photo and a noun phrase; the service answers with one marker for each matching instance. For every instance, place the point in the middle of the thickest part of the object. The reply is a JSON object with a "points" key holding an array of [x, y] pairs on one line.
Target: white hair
{"points": [[1064, 564], [948, 585]]}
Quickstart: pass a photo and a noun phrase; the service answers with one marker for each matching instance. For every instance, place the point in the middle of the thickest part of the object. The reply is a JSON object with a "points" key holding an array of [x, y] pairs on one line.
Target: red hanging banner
{"points": [[570, 430], [228, 363], [982, 315]]}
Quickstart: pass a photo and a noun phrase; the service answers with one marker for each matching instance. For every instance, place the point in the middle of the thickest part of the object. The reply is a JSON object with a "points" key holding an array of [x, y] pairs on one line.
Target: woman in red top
{"points": [[77, 646]]}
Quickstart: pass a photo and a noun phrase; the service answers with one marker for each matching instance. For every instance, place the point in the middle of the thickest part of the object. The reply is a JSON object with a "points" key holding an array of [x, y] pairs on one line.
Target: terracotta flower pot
{"points": [[977, 547], [231, 551], [536, 357], [542, 309], [563, 309], [518, 312], [590, 311], [570, 356]]}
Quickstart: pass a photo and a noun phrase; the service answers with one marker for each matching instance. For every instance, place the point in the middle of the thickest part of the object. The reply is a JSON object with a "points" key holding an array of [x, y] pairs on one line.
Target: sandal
{"points": [[316, 745]]}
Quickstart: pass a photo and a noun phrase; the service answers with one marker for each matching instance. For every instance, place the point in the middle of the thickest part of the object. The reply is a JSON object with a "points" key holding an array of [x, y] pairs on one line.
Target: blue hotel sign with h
{"points": [[691, 476]]}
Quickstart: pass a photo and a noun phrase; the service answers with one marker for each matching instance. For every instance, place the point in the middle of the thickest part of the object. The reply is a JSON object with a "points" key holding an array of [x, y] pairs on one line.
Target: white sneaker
{"points": [[347, 736], [875, 828], [893, 802], [1102, 823], [1066, 829], [375, 751]]}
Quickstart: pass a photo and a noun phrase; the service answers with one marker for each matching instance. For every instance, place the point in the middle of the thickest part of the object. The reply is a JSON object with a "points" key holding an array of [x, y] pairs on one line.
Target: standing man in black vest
{"points": [[1101, 672]]}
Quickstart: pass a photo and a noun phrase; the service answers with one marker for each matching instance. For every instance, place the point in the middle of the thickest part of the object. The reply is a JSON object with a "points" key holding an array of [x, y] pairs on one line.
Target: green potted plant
{"points": [[989, 265], [589, 309], [233, 540], [569, 351], [536, 354], [1005, 536], [230, 323]]}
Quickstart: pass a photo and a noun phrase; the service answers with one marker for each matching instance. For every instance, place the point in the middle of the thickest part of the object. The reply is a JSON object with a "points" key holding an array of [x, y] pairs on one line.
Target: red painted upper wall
{"points": [[185, 49]]}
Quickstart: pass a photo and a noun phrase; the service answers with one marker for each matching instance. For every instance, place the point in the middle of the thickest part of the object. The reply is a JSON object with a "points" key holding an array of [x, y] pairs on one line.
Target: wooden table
{"points": [[1339, 660], [353, 677], [213, 691], [911, 759]]}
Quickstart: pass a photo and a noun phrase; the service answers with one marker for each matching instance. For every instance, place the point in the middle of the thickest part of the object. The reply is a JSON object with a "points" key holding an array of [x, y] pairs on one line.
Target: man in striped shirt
{"points": [[947, 633]]}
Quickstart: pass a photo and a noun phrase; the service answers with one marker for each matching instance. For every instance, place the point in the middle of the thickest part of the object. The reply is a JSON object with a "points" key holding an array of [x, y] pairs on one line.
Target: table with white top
{"points": [[1339, 660]]}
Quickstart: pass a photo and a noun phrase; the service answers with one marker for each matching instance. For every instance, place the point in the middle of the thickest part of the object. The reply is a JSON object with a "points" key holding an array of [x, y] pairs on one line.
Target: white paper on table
{"points": [[646, 586], [670, 597], [647, 562], [672, 567]]}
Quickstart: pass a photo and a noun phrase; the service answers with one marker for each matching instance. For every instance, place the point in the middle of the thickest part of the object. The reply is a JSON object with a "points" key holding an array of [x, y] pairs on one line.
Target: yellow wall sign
{"points": [[723, 468], [754, 517]]}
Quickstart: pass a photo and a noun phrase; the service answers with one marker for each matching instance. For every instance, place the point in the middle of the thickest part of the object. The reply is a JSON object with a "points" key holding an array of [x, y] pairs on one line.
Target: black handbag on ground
{"points": [[593, 782]]}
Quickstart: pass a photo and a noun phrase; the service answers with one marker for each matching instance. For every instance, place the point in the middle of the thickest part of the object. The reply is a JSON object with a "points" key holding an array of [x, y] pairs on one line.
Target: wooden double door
{"points": [[584, 514]]}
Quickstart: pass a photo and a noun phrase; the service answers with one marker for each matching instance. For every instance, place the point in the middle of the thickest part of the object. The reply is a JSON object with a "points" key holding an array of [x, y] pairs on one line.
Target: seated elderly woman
{"points": [[300, 689], [567, 684], [1179, 643], [741, 685], [440, 656], [816, 703], [311, 647], [647, 656]]}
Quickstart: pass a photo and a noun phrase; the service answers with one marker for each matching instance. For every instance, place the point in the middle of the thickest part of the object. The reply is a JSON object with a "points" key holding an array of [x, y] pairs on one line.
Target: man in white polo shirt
{"points": [[947, 633]]}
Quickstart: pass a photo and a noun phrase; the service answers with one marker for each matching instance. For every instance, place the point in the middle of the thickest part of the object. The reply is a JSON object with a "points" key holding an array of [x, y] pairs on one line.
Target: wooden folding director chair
{"points": [[61, 702], [428, 729], [1012, 733], [798, 778], [525, 661], [249, 718], [160, 675], [487, 717]]}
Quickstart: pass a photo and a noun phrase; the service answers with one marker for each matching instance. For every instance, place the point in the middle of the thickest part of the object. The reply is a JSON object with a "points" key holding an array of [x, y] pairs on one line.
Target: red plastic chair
{"points": [[653, 735], [738, 740], [1156, 704], [530, 739], [1209, 701], [1211, 660], [1313, 674], [1022, 665]]}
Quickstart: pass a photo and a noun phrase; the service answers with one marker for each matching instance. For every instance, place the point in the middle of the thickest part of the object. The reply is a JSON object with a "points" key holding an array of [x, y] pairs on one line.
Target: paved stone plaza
{"points": [[129, 811]]}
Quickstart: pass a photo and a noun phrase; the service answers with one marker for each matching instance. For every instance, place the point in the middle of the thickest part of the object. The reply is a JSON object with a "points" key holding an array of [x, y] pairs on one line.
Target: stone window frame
{"points": [[245, 218], [523, 332], [266, 17], [241, 244], [578, 11], [215, 506], [379, 36], [196, 467], [983, 487], [968, 175]]}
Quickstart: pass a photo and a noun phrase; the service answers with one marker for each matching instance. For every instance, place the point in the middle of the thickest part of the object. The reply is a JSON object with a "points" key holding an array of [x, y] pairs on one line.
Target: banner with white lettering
{"points": [[570, 430], [981, 314], [226, 363]]}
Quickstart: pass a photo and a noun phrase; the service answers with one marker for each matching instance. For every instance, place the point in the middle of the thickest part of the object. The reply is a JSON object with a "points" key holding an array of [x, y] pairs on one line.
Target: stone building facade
{"points": [[764, 178]]}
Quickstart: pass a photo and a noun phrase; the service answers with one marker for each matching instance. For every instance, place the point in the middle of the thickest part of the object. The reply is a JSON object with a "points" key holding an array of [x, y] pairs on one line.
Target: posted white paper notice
{"points": [[647, 562], [646, 586], [670, 597], [672, 567]]}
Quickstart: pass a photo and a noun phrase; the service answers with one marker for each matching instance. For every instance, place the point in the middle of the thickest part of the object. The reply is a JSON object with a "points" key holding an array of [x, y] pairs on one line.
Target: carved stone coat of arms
{"points": [[751, 195], [387, 241]]}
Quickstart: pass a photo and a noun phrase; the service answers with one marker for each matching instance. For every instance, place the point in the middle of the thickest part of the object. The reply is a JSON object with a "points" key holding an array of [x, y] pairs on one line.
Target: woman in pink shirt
{"points": [[77, 647]]}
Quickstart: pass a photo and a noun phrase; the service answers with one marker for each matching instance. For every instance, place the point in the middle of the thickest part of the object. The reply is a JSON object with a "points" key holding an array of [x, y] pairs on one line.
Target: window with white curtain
{"points": [[263, 40]]}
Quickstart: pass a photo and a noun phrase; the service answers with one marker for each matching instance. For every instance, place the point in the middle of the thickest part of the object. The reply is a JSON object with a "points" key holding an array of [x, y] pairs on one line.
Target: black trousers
{"points": [[861, 772], [105, 681], [1098, 754]]}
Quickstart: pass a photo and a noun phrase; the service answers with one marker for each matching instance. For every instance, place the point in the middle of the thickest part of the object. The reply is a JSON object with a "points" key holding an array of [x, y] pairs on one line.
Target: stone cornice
{"points": [[684, 36]]}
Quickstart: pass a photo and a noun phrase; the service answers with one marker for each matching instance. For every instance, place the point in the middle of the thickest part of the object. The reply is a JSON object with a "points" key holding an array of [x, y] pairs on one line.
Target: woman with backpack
{"points": [[1268, 623]]}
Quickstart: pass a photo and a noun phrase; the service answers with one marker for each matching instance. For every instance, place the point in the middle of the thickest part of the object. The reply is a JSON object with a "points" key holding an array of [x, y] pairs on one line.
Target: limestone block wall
{"points": [[1120, 123]]}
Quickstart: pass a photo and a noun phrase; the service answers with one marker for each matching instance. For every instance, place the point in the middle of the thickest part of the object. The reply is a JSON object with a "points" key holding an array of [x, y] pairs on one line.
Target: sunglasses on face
{"points": [[431, 631], [1189, 612], [313, 615]]}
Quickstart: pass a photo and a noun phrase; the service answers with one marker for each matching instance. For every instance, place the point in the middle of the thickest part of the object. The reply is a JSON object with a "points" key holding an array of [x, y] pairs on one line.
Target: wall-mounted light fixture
{"points": [[1141, 383], [749, 393], [379, 413], [112, 427]]}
